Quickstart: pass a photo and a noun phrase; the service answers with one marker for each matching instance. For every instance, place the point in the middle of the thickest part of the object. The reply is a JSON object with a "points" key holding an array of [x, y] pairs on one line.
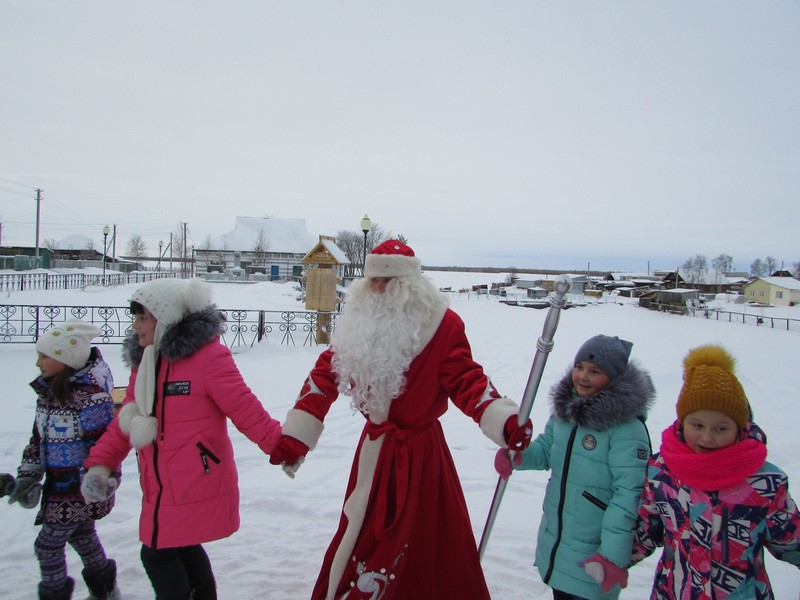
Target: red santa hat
{"points": [[392, 258]]}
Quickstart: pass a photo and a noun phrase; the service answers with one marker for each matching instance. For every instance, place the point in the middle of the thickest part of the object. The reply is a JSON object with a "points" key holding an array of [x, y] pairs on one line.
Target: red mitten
{"points": [[502, 462], [288, 451], [604, 572], [518, 437]]}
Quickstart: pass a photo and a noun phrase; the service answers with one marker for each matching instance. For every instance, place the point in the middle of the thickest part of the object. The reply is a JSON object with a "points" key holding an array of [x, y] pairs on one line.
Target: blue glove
{"points": [[27, 492]]}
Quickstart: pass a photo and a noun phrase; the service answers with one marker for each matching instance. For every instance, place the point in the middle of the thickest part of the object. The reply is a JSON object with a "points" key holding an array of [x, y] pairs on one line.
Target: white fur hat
{"points": [[170, 300], [392, 258], [69, 343]]}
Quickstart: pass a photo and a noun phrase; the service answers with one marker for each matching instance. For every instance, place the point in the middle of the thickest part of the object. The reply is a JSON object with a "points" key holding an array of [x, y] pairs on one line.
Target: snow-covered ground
{"points": [[287, 524]]}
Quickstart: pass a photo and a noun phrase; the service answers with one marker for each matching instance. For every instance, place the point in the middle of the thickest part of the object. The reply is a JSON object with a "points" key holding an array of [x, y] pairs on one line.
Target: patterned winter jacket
{"points": [[63, 433], [596, 449], [190, 485], [714, 541]]}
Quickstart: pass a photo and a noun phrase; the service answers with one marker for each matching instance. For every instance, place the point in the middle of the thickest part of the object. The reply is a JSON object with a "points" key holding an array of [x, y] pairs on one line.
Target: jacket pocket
{"points": [[205, 456], [594, 500]]}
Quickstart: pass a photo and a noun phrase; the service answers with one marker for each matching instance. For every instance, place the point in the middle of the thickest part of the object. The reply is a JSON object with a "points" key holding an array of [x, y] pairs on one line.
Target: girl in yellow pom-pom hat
{"points": [[711, 499]]}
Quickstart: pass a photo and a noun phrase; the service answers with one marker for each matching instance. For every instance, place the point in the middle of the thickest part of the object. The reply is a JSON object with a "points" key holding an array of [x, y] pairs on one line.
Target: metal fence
{"points": [[17, 282], [23, 324], [753, 319]]}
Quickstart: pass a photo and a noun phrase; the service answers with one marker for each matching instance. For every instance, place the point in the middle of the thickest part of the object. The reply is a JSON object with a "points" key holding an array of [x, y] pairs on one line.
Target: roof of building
{"points": [[281, 235], [790, 283]]}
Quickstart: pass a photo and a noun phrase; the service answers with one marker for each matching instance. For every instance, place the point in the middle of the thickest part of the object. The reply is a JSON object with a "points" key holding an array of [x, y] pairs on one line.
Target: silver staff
{"points": [[543, 347]]}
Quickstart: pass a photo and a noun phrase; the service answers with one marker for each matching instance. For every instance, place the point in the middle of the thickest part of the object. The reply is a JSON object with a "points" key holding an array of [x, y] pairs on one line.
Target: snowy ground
{"points": [[287, 524]]}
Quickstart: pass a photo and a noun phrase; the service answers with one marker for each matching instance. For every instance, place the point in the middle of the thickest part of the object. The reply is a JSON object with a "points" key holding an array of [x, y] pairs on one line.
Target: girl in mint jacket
{"points": [[596, 446]]}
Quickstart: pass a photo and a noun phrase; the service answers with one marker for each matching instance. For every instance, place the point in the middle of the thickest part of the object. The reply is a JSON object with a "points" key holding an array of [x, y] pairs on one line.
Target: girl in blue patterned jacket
{"points": [[73, 408]]}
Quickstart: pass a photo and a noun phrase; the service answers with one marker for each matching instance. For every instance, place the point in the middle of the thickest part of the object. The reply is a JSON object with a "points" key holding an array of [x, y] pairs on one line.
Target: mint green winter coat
{"points": [[597, 450]]}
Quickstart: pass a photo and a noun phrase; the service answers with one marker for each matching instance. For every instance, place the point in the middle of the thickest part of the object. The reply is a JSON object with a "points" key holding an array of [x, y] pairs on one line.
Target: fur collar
{"points": [[631, 395], [180, 340]]}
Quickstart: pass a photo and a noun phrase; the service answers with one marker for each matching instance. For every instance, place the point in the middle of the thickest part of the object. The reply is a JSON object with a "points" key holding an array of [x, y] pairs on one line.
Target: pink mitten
{"points": [[502, 462], [604, 572]]}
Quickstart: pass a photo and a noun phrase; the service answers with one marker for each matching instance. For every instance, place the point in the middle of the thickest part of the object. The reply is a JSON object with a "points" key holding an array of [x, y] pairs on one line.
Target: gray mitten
{"points": [[6, 484], [98, 485], [26, 492]]}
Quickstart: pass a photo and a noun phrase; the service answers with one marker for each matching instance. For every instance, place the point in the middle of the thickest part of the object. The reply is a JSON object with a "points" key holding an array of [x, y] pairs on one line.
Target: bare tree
{"points": [[771, 265], [797, 270], [207, 244], [352, 242], [722, 263], [694, 268], [136, 248], [757, 268], [261, 246]]}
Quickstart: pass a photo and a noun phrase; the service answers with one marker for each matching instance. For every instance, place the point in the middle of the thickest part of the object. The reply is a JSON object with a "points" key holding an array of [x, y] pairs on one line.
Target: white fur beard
{"points": [[374, 342]]}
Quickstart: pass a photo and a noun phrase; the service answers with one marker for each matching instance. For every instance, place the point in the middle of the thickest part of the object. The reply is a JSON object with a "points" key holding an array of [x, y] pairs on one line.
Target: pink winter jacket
{"points": [[188, 475]]}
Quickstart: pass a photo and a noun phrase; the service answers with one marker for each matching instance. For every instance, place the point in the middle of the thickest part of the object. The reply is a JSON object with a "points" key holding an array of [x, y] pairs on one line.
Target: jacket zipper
{"points": [[561, 500], [724, 535], [205, 454], [153, 543]]}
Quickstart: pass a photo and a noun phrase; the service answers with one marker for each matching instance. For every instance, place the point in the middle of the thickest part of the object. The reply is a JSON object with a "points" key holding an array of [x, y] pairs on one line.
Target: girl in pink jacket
{"points": [[183, 387]]}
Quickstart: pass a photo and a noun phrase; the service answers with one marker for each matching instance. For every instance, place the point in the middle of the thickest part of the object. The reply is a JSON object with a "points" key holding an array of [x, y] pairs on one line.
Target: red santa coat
{"points": [[405, 530]]}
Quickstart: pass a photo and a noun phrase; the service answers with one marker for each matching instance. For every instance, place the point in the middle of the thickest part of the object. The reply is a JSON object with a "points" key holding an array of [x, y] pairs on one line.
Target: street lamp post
{"points": [[160, 245], [366, 225], [106, 231]]}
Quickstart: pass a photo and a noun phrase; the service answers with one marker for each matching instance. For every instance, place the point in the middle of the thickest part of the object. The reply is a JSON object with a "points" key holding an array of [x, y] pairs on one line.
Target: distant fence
{"points": [[758, 320], [18, 282], [23, 324]]}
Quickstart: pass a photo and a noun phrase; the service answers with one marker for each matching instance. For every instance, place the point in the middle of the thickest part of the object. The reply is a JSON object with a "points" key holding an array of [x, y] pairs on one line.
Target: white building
{"points": [[258, 246]]}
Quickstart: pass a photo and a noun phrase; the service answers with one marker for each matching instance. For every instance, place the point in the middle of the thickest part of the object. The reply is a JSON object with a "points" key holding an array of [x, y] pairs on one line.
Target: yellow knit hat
{"points": [[709, 383]]}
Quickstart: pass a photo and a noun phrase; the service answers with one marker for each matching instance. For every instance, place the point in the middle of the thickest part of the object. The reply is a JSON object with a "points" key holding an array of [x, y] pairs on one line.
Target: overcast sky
{"points": [[558, 134]]}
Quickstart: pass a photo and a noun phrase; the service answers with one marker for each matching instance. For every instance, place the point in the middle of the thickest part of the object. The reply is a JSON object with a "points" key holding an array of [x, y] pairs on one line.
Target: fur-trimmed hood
{"points": [[180, 340], [631, 395]]}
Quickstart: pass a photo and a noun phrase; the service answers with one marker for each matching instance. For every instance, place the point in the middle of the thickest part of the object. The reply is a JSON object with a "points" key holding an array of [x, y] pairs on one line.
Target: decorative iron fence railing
{"points": [[17, 282], [244, 327]]}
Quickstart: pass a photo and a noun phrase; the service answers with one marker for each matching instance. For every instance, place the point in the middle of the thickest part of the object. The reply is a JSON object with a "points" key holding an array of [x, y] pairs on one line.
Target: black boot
{"points": [[206, 590], [65, 593], [102, 583]]}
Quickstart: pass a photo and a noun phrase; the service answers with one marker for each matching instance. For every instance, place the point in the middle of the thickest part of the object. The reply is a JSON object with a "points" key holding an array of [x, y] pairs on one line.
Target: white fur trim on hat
{"points": [[170, 300], [392, 265], [69, 343]]}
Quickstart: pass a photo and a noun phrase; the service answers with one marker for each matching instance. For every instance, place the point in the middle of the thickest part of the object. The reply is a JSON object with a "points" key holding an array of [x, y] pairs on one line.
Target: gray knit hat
{"points": [[610, 354]]}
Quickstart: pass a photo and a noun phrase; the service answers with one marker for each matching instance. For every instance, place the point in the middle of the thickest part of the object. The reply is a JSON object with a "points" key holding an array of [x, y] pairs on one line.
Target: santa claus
{"points": [[400, 353]]}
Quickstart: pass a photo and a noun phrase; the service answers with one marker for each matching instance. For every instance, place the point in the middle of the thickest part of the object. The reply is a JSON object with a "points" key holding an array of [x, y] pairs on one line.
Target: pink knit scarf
{"points": [[713, 471]]}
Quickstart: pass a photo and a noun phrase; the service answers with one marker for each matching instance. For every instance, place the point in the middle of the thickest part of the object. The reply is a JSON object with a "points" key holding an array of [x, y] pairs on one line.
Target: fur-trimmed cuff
{"points": [[494, 419], [303, 426]]}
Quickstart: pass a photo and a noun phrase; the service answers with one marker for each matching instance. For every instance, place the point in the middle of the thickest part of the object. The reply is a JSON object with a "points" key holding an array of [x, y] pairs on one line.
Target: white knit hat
{"points": [[170, 300], [392, 258], [69, 343]]}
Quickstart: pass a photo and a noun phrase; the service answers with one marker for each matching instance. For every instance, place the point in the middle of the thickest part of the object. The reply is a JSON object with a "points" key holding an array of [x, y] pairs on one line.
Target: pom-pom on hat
{"points": [[709, 383], [170, 300], [392, 258], [69, 343], [610, 354]]}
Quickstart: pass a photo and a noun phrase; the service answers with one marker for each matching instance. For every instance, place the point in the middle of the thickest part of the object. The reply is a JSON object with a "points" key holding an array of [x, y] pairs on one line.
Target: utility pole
{"points": [[38, 212], [114, 246], [183, 262]]}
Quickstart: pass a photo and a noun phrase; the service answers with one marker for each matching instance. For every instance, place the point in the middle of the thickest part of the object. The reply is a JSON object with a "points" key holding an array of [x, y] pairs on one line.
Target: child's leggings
{"points": [[177, 572], [50, 548]]}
